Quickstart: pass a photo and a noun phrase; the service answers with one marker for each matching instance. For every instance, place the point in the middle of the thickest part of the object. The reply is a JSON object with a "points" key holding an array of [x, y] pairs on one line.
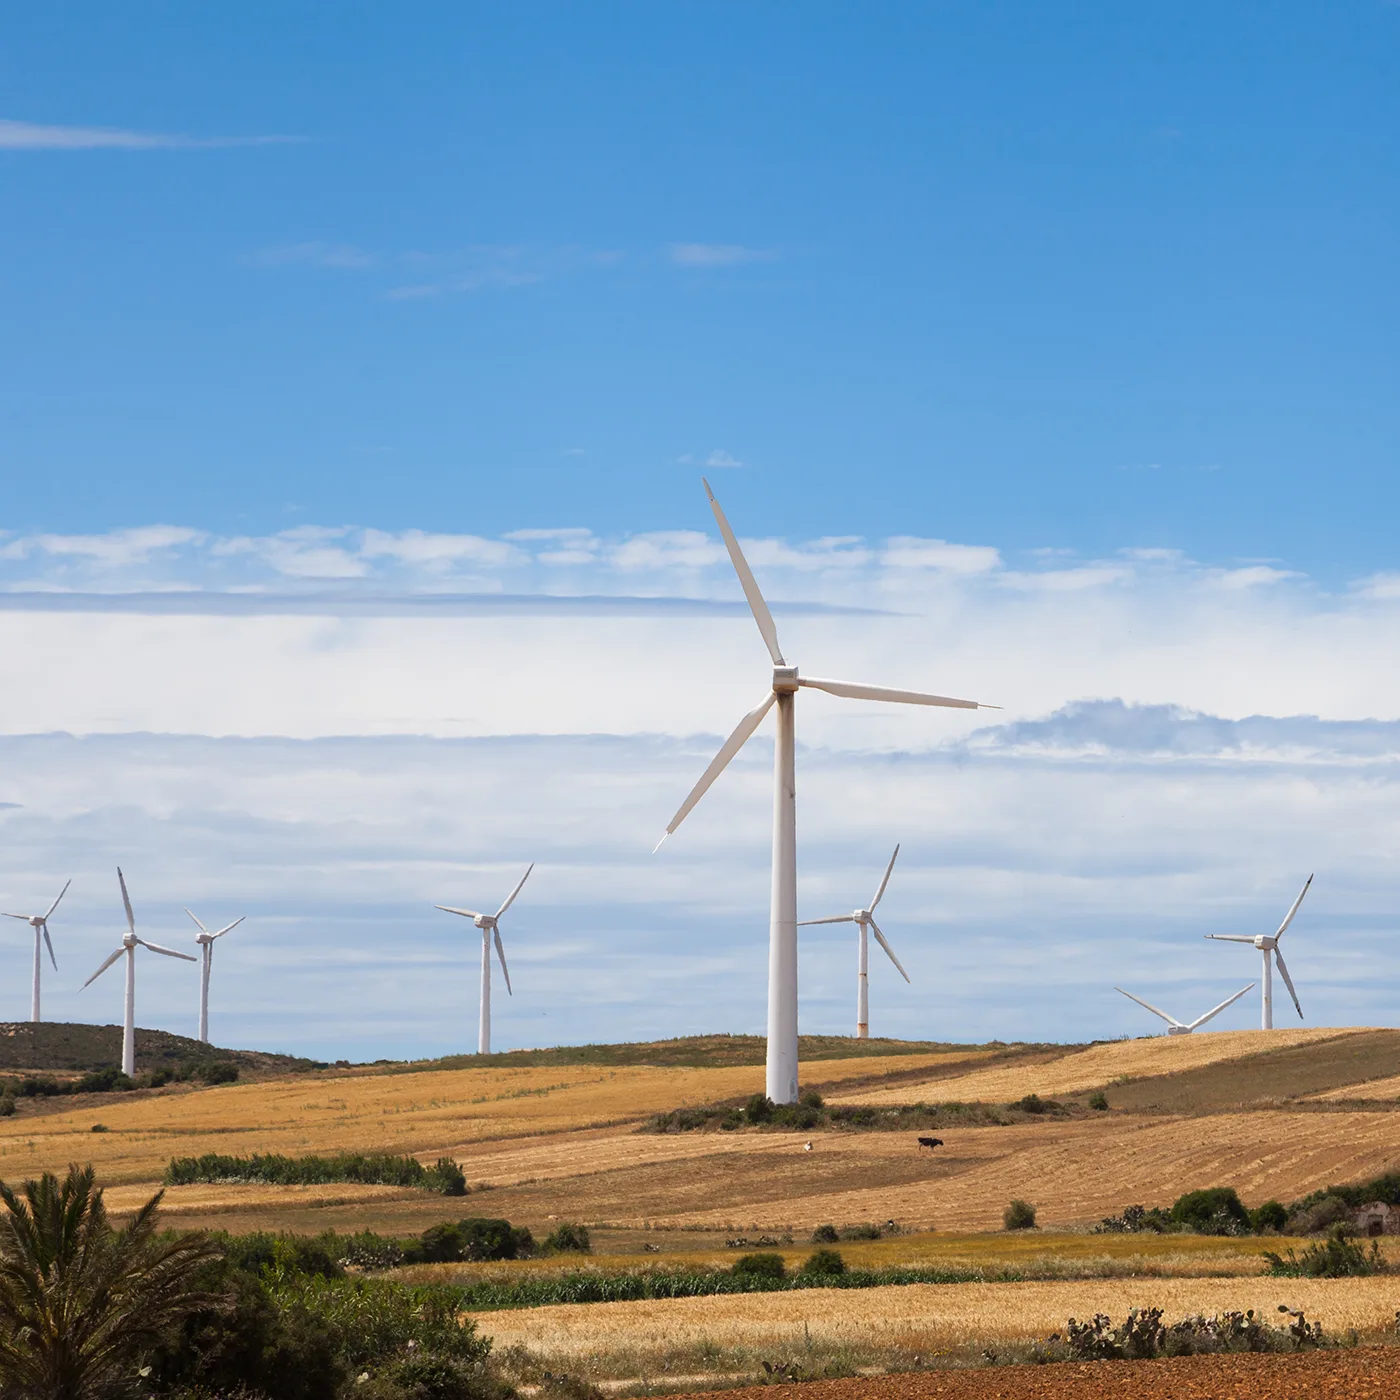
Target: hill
{"points": [[61, 1045]]}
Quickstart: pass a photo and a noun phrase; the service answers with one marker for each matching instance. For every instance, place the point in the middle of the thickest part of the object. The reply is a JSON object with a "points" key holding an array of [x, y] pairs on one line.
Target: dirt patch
{"points": [[1365, 1373]]}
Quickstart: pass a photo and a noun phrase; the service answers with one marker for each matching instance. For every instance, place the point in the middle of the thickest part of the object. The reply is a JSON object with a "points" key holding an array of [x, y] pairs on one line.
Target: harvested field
{"points": [[1388, 1088], [769, 1182], [923, 1317], [1095, 1068], [1367, 1373], [427, 1113]]}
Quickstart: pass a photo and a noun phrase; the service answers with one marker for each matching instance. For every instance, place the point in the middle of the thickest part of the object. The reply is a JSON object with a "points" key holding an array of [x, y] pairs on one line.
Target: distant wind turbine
{"points": [[1175, 1027], [40, 924], [129, 945], [781, 1073], [864, 920], [489, 926], [1267, 943], [205, 939]]}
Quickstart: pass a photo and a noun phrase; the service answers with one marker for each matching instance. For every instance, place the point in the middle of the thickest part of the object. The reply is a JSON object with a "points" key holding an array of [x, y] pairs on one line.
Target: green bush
{"points": [[433, 1377], [104, 1081], [1098, 1101], [375, 1169], [825, 1234], [1216, 1210], [1337, 1257], [567, 1238], [861, 1232], [755, 1266], [812, 1099], [215, 1072], [1019, 1215], [1268, 1219], [823, 1263], [1032, 1103], [759, 1109], [7, 1105], [446, 1178]]}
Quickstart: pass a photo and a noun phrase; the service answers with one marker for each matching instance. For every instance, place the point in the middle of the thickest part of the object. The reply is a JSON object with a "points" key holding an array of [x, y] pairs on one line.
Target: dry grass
{"points": [[1094, 1068], [426, 1114], [1388, 1088], [923, 1317]]}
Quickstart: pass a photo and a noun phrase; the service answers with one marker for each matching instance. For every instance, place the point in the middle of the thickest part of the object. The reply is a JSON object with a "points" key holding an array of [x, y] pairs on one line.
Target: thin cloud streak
{"points": [[34, 136]]}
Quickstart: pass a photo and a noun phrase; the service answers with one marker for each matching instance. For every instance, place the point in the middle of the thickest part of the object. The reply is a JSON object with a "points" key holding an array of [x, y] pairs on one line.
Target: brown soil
{"points": [[1364, 1373]]}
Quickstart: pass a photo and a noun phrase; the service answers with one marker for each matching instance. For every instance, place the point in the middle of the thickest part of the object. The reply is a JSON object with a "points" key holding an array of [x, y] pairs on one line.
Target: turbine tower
{"points": [[864, 920], [128, 946], [1267, 943], [781, 1075], [1175, 1027], [40, 924], [489, 924], [205, 939]]}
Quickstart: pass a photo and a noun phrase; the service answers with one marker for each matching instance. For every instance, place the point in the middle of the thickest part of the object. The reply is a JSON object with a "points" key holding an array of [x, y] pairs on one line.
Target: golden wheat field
{"points": [[924, 1317], [427, 1113], [1095, 1068], [1387, 1088]]}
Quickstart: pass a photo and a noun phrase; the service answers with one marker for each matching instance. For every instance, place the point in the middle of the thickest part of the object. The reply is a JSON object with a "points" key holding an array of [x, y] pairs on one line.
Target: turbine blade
{"points": [[757, 606], [731, 746], [54, 905], [852, 691], [465, 913], [1170, 1020], [1294, 909], [1287, 980], [880, 893], [511, 899], [880, 939], [835, 919], [195, 917], [1230, 937], [48, 943], [25, 917], [126, 901], [228, 928], [501, 954], [1229, 1001], [169, 952], [104, 967]]}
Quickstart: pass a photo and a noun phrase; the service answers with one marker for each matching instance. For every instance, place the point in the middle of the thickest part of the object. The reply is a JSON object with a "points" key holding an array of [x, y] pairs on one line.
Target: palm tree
{"points": [[79, 1298]]}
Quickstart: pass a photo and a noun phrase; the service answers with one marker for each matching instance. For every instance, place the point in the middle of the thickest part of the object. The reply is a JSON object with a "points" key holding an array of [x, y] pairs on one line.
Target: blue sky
{"points": [[357, 370]]}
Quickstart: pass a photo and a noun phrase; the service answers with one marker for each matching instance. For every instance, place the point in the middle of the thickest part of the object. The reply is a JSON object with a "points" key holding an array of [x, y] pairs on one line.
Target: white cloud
{"points": [[908, 552], [437, 550], [1252, 576], [34, 136], [116, 548], [715, 254]]}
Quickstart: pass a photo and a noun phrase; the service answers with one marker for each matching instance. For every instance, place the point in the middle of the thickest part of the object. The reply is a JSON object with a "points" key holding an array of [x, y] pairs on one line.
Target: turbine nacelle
{"points": [[785, 680]]}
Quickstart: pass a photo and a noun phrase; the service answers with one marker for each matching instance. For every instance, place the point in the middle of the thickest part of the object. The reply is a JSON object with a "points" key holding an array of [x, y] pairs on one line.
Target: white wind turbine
{"points": [[1175, 1027], [489, 926], [1267, 943], [40, 924], [205, 939], [864, 920], [781, 1076], [129, 944]]}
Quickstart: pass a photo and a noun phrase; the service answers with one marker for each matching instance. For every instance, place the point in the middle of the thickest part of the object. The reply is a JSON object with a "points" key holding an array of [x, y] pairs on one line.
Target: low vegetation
{"points": [[1143, 1336], [111, 1080], [811, 1112], [1019, 1215], [1337, 1257], [368, 1169]]}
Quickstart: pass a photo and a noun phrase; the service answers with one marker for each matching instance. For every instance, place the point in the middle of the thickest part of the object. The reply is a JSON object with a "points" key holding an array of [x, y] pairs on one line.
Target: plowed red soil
{"points": [[1362, 1373]]}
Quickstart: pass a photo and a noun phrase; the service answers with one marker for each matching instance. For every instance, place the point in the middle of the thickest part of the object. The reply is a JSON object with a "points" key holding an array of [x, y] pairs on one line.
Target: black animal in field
{"points": [[930, 1142]]}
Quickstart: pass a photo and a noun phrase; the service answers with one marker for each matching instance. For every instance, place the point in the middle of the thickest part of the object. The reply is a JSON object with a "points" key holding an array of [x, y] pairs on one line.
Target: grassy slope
{"points": [[59, 1045]]}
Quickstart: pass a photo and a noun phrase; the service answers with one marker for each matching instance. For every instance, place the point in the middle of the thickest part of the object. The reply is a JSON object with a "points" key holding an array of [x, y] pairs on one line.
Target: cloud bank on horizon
{"points": [[332, 729]]}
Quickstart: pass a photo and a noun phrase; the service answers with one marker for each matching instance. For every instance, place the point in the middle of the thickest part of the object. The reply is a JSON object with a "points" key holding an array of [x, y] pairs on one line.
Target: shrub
{"points": [[446, 1178], [216, 1072], [759, 1109], [759, 1266], [1098, 1101], [823, 1263], [861, 1232], [812, 1099], [433, 1377], [98, 1128], [1337, 1257], [159, 1078], [1136, 1220], [567, 1238], [1216, 1210], [104, 1081], [7, 1105], [825, 1234], [1019, 1215], [1325, 1211], [376, 1169], [1032, 1103], [1268, 1219]]}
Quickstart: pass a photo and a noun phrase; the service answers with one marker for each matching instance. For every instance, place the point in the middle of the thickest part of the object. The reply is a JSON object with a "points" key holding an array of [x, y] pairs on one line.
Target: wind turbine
{"points": [[864, 920], [1175, 1027], [205, 939], [1267, 943], [129, 943], [40, 924], [489, 926], [781, 1077]]}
